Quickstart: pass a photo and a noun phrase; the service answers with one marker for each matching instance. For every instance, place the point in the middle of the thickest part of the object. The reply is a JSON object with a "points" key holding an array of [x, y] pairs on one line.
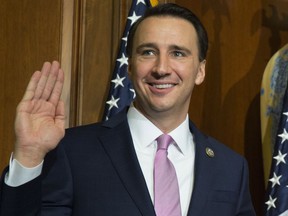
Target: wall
{"points": [[30, 34]]}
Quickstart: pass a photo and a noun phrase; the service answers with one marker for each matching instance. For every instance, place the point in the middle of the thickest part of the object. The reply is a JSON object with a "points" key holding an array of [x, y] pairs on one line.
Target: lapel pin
{"points": [[209, 152]]}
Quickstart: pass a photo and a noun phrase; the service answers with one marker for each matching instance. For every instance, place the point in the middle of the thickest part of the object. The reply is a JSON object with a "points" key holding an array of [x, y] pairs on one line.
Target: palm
{"points": [[40, 121]]}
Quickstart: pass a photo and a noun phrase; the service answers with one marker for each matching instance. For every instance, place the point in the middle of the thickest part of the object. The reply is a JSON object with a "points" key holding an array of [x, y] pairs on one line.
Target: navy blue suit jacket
{"points": [[95, 171]]}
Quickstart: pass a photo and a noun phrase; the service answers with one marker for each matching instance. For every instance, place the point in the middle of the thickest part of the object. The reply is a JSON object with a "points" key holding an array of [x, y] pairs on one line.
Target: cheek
{"points": [[136, 77], [140, 70], [184, 72], [188, 70]]}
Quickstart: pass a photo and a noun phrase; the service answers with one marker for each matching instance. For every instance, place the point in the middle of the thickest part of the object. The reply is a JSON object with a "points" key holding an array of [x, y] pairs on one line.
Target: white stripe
{"points": [[284, 213]]}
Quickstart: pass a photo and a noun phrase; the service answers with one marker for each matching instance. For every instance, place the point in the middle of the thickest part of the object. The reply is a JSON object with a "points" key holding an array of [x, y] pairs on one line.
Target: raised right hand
{"points": [[40, 118]]}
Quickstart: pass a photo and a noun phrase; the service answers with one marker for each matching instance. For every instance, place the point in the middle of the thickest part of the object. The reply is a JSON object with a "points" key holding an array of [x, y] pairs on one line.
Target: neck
{"points": [[165, 121]]}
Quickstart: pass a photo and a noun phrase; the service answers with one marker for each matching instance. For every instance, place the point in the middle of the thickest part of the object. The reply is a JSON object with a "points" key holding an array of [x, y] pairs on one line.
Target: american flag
{"points": [[121, 92], [277, 191]]}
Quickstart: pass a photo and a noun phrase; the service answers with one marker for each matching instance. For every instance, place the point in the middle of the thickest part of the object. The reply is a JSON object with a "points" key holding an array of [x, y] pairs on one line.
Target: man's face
{"points": [[164, 66]]}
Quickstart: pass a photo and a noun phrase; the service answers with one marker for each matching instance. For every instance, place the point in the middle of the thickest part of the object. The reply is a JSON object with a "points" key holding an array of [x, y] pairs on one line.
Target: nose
{"points": [[162, 65]]}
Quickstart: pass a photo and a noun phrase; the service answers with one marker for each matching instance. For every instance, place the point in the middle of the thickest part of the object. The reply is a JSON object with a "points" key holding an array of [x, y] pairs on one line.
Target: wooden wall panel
{"points": [[96, 31], [29, 35], [243, 36]]}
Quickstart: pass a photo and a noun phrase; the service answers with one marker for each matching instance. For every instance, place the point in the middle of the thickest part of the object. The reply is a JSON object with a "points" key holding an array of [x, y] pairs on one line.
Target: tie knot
{"points": [[164, 141]]}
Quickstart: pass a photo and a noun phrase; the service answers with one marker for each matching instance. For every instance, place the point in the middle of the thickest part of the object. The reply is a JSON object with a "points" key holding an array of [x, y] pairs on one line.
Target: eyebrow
{"points": [[176, 47], [145, 45], [171, 47]]}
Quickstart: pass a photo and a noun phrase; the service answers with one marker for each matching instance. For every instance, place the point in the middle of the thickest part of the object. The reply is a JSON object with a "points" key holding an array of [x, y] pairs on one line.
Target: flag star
{"points": [[113, 102], [125, 39], [280, 158], [118, 81], [286, 113], [140, 1], [133, 18], [284, 136], [123, 60], [271, 203], [275, 179], [133, 91]]}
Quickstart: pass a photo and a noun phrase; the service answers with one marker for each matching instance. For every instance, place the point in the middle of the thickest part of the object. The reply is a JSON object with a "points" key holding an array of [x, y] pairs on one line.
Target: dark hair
{"points": [[173, 10]]}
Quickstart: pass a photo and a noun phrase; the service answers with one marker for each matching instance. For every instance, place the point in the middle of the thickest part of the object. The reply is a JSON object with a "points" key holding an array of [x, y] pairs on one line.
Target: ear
{"points": [[201, 73]]}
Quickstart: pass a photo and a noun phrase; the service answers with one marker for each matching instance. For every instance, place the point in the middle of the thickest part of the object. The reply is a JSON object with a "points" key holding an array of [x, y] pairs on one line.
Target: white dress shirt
{"points": [[144, 134], [182, 155]]}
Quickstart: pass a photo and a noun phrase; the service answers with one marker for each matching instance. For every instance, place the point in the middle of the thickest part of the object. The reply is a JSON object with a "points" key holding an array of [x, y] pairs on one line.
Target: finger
{"points": [[51, 81], [43, 79], [32, 85], [57, 89], [60, 115]]}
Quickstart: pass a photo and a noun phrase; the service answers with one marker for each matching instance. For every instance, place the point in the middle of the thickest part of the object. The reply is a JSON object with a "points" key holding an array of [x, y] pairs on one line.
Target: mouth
{"points": [[163, 86]]}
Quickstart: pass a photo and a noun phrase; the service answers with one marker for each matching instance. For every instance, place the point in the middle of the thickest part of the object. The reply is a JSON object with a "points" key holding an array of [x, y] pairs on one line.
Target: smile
{"points": [[162, 86]]}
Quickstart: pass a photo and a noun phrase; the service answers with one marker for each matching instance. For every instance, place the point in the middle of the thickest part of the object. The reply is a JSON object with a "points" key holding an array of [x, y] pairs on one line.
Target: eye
{"points": [[178, 53], [148, 52]]}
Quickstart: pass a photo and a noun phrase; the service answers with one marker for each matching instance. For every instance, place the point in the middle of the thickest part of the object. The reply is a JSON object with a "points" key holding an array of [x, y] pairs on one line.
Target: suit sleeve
{"points": [[23, 200], [245, 206], [50, 194]]}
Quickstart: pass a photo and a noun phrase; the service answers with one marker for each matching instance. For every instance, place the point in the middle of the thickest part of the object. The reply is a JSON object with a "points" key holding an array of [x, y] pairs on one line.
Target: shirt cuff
{"points": [[19, 175]]}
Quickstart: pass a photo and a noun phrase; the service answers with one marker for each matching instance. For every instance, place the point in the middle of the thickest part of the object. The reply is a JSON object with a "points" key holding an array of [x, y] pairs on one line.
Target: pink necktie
{"points": [[166, 190]]}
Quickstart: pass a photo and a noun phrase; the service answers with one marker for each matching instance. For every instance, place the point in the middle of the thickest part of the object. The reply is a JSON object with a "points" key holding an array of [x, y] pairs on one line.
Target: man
{"points": [[108, 168]]}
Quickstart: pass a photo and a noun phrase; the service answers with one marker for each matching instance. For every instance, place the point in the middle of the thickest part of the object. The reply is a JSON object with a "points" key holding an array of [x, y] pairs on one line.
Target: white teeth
{"points": [[163, 86]]}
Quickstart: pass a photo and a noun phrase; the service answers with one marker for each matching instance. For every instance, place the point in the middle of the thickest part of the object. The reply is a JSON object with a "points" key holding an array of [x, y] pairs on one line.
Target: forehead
{"points": [[166, 29]]}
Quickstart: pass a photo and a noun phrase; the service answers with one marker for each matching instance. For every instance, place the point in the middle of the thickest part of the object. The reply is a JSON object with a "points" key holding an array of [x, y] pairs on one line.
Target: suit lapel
{"points": [[204, 173], [119, 146]]}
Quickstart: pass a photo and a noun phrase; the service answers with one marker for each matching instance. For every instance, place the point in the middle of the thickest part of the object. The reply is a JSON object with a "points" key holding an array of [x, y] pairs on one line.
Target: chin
{"points": [[161, 108]]}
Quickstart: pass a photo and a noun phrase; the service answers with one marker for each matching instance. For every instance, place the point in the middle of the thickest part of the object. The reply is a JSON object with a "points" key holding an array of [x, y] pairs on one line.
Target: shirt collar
{"points": [[144, 132]]}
